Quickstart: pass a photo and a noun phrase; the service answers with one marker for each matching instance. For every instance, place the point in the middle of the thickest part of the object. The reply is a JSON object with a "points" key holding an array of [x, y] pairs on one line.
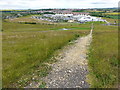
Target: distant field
{"points": [[112, 13], [95, 11], [26, 19], [103, 57], [17, 27], [111, 20], [26, 49]]}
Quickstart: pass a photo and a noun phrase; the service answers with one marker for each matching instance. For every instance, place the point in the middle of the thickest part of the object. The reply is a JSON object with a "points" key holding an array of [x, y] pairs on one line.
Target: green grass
{"points": [[111, 20], [103, 14], [0, 52], [113, 16], [103, 57], [42, 85], [73, 28], [25, 53]]}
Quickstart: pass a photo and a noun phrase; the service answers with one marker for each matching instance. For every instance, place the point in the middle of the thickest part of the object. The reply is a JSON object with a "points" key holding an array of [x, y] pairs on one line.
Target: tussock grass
{"points": [[103, 57]]}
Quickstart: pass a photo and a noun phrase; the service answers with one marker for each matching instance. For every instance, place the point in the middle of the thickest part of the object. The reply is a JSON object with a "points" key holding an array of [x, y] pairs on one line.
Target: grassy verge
{"points": [[25, 53], [103, 57]]}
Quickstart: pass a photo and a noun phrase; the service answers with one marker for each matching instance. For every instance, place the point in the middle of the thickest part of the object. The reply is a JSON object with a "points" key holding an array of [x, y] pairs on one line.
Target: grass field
{"points": [[111, 20], [112, 15], [103, 57], [115, 13], [26, 49], [29, 48], [26, 19], [17, 27]]}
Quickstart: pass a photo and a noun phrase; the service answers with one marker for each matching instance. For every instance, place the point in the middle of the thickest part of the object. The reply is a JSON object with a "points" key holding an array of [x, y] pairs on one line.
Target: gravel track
{"points": [[71, 69]]}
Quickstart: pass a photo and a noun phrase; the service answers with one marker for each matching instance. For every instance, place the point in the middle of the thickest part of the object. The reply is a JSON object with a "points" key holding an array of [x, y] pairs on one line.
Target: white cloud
{"points": [[36, 4]]}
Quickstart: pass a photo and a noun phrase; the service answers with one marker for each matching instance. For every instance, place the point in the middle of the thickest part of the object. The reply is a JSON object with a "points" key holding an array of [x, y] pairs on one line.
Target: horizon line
{"points": [[58, 8]]}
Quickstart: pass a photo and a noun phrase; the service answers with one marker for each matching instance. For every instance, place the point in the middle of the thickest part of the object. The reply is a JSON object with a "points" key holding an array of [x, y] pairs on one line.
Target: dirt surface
{"points": [[71, 69]]}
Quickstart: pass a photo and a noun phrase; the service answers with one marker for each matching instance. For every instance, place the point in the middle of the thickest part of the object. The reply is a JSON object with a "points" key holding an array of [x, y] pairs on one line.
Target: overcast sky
{"points": [[38, 4]]}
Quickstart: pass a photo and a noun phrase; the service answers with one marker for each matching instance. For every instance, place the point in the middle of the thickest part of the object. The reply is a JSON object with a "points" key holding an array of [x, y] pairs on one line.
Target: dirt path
{"points": [[70, 71], [71, 67]]}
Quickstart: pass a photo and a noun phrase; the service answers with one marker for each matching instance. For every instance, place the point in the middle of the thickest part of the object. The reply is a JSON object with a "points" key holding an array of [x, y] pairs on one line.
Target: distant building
{"points": [[70, 21], [69, 17]]}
